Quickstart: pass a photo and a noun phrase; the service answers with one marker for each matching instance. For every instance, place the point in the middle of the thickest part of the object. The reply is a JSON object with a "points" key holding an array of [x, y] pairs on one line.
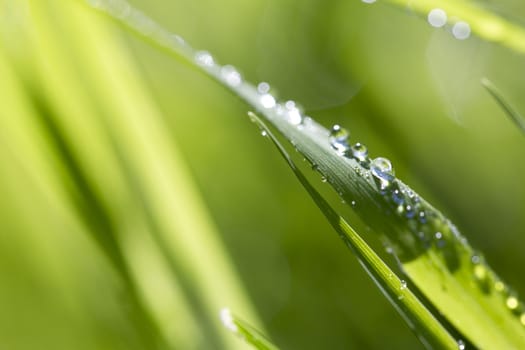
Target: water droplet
{"points": [[475, 259], [512, 303], [440, 240], [290, 105], [179, 40], [397, 197], [422, 216], [293, 113], [360, 152], [263, 88], [437, 18], [267, 101], [403, 285], [353, 203], [227, 320], [409, 212], [461, 30], [480, 272], [324, 179], [231, 75], [369, 1], [499, 286], [383, 172], [461, 345], [264, 133], [339, 139], [204, 58]]}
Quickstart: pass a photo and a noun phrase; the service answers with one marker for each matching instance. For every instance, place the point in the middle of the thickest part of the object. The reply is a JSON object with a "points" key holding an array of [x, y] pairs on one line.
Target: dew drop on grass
{"points": [[409, 212], [437, 18], [499, 286], [461, 345], [231, 76], [293, 113], [383, 172], [267, 101], [422, 216], [512, 302], [369, 1], [397, 197], [263, 88], [339, 139], [360, 153], [403, 285], [353, 203], [204, 58], [461, 30], [402, 288], [481, 273], [227, 320], [475, 259], [439, 239]]}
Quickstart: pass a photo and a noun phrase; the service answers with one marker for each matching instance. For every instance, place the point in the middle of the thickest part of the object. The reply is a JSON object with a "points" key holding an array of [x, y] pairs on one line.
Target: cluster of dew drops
{"points": [[438, 18], [407, 204], [404, 202]]}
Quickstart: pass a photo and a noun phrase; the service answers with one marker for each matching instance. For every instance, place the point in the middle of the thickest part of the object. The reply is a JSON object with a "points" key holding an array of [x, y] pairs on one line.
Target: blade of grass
{"points": [[245, 331], [109, 135], [433, 253], [424, 325], [510, 111]]}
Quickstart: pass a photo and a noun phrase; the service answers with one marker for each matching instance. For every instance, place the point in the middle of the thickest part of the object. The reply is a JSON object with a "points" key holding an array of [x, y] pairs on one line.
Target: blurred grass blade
{"points": [[425, 326], [512, 113], [115, 166], [437, 258], [483, 23], [245, 331]]}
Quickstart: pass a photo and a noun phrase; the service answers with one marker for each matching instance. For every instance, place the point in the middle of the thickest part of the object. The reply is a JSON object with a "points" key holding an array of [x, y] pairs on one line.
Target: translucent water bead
{"points": [[204, 58], [383, 172], [360, 153], [293, 113], [437, 18], [339, 139], [461, 30], [231, 76], [266, 99], [263, 88]]}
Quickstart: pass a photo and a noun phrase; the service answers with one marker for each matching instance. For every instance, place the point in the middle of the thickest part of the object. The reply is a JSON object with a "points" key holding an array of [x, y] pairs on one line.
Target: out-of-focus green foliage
{"points": [[71, 146]]}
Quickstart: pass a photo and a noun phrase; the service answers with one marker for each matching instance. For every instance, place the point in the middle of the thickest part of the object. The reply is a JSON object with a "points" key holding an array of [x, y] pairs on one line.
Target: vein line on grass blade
{"points": [[509, 110]]}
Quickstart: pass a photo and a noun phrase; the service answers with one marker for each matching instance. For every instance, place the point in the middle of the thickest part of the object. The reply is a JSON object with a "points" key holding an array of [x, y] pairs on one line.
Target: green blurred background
{"points": [[410, 92]]}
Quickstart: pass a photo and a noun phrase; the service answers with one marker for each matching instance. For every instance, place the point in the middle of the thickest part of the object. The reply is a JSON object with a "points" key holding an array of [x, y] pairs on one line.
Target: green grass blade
{"points": [[483, 23], [510, 111], [144, 201], [429, 330], [245, 331], [433, 253]]}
